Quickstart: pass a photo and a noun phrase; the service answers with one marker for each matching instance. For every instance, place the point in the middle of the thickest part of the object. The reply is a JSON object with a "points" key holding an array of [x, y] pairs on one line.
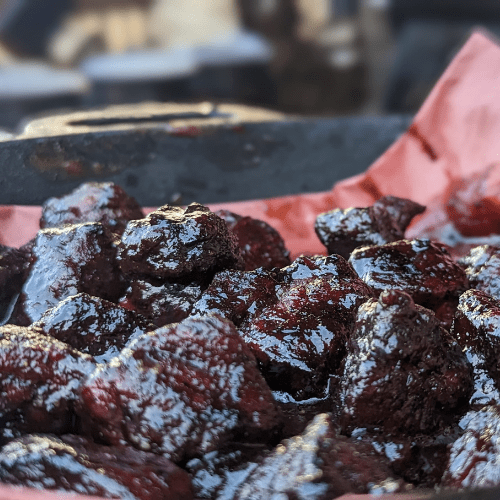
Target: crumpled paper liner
{"points": [[456, 134]]}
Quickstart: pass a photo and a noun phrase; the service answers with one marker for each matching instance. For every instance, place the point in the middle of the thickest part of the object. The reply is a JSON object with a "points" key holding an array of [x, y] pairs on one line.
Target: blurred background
{"points": [[307, 57]]}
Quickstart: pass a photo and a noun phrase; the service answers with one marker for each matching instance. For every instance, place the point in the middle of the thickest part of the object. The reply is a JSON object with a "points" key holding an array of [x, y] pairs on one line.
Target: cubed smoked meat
{"points": [[161, 303], [473, 204], [300, 340], [419, 459], [92, 325], [295, 320], [14, 264], [103, 202], [422, 268], [236, 295], [482, 267], [260, 244], [76, 465], [39, 381], [220, 473], [476, 328], [67, 261], [173, 242], [318, 465], [343, 230], [179, 391], [403, 373], [473, 461]]}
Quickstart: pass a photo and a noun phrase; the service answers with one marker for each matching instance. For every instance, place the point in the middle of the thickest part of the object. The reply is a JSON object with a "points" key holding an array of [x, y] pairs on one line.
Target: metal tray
{"points": [[163, 153]]}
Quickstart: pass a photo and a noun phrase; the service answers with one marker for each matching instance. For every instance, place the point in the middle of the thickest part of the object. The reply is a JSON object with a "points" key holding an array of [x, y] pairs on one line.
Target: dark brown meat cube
{"points": [[419, 460], [236, 295], [403, 372], [300, 339], [435, 225], [482, 267], [103, 202], [161, 303], [260, 244], [76, 465], [14, 265], [341, 231], [92, 325], [476, 328], [67, 261], [422, 268], [296, 320], [39, 381], [473, 461], [173, 242], [179, 391], [220, 473], [318, 465], [473, 204]]}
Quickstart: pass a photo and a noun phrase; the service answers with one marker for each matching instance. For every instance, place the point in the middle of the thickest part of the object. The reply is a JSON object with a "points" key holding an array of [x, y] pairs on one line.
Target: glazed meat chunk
{"points": [[418, 459], [161, 303], [295, 320], [92, 325], [14, 265], [473, 461], [260, 244], [179, 391], [318, 465], [343, 230], [473, 204], [67, 261], [220, 473], [76, 465], [403, 372], [476, 328], [422, 268], [39, 381], [300, 339], [482, 267], [103, 202], [173, 242], [238, 295]]}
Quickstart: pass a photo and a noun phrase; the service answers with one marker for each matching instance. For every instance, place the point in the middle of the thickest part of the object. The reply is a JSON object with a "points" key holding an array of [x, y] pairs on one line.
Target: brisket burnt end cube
{"points": [[299, 340], [343, 230], [92, 325], [319, 465], [67, 261], [473, 461], [473, 204], [422, 268], [296, 320], [76, 465], [103, 202], [420, 459], [260, 244], [476, 328], [39, 381], [14, 266], [161, 303], [179, 391], [236, 295], [482, 267], [220, 473], [173, 242], [403, 372]]}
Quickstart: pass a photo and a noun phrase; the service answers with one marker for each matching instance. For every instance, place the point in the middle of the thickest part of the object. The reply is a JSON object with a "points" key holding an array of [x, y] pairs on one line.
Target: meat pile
{"points": [[183, 355]]}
